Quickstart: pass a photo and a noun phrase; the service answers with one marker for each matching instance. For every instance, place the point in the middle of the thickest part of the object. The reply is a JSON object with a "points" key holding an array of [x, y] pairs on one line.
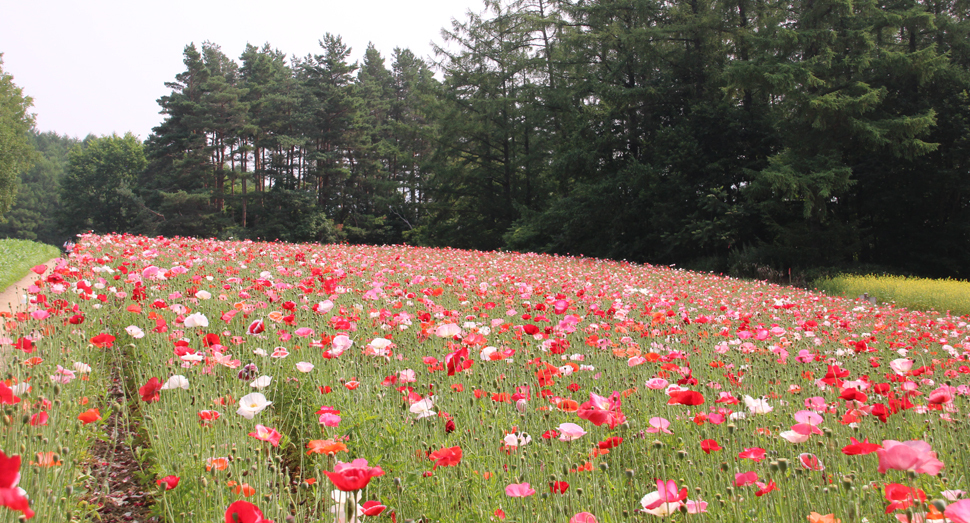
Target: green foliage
{"points": [[96, 192], [290, 216], [18, 256], [37, 204], [746, 136], [16, 154]]}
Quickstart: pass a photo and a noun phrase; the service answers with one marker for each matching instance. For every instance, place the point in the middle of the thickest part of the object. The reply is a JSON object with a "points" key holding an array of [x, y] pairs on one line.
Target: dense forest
{"points": [[743, 136]]}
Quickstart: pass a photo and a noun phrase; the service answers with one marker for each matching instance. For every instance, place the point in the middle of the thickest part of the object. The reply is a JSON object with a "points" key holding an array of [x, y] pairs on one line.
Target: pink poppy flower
{"points": [[915, 456], [570, 432], [668, 493], [958, 512], [658, 424], [745, 478], [519, 490], [353, 476], [267, 434]]}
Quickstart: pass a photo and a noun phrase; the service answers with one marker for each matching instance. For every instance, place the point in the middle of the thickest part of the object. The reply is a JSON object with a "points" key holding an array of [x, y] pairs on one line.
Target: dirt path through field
{"points": [[12, 301], [12, 298]]}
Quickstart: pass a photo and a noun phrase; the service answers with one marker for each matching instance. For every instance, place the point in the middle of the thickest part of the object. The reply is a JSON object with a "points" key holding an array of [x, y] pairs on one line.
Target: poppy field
{"points": [[257, 382]]}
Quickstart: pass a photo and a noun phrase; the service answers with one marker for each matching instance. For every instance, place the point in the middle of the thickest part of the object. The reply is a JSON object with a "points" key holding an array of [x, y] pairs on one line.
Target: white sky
{"points": [[98, 66]]}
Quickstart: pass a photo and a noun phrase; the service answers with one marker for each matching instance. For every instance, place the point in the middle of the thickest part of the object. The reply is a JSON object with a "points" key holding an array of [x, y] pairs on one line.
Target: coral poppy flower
{"points": [[10, 494], [244, 489], [216, 463], [353, 476], [245, 512], [568, 405], [89, 416], [208, 416], [583, 517], [169, 482], [446, 457], [914, 456], [325, 446], [815, 517], [755, 454], [47, 459]]}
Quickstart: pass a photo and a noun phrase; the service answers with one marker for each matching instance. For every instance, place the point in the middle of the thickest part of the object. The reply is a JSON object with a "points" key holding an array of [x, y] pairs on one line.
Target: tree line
{"points": [[743, 136]]}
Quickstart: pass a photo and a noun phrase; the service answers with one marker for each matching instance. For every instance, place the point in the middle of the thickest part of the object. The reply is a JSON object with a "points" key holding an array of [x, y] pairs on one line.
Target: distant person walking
{"points": [[68, 248]]}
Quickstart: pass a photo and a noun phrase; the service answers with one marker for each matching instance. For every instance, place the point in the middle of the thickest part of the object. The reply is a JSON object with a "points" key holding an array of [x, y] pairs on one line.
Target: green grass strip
{"points": [[912, 293], [18, 256]]}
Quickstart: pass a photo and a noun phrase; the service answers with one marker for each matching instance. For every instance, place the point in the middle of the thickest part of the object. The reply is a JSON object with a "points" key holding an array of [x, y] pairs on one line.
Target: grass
{"points": [[912, 293], [18, 256]]}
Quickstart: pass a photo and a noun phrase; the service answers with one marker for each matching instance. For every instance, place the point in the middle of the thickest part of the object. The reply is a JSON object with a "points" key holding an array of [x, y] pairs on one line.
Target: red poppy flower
{"points": [[446, 457], [6, 395], [901, 497], [39, 419], [372, 508], [150, 391], [245, 512], [10, 495], [764, 489], [103, 341], [208, 416], [25, 345], [811, 462], [558, 487], [256, 327], [353, 476], [610, 443], [458, 361], [685, 397], [854, 394], [170, 482], [710, 445]]}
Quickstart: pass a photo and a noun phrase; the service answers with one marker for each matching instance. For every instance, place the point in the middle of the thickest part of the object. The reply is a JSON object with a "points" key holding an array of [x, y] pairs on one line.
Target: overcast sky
{"points": [[98, 66]]}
